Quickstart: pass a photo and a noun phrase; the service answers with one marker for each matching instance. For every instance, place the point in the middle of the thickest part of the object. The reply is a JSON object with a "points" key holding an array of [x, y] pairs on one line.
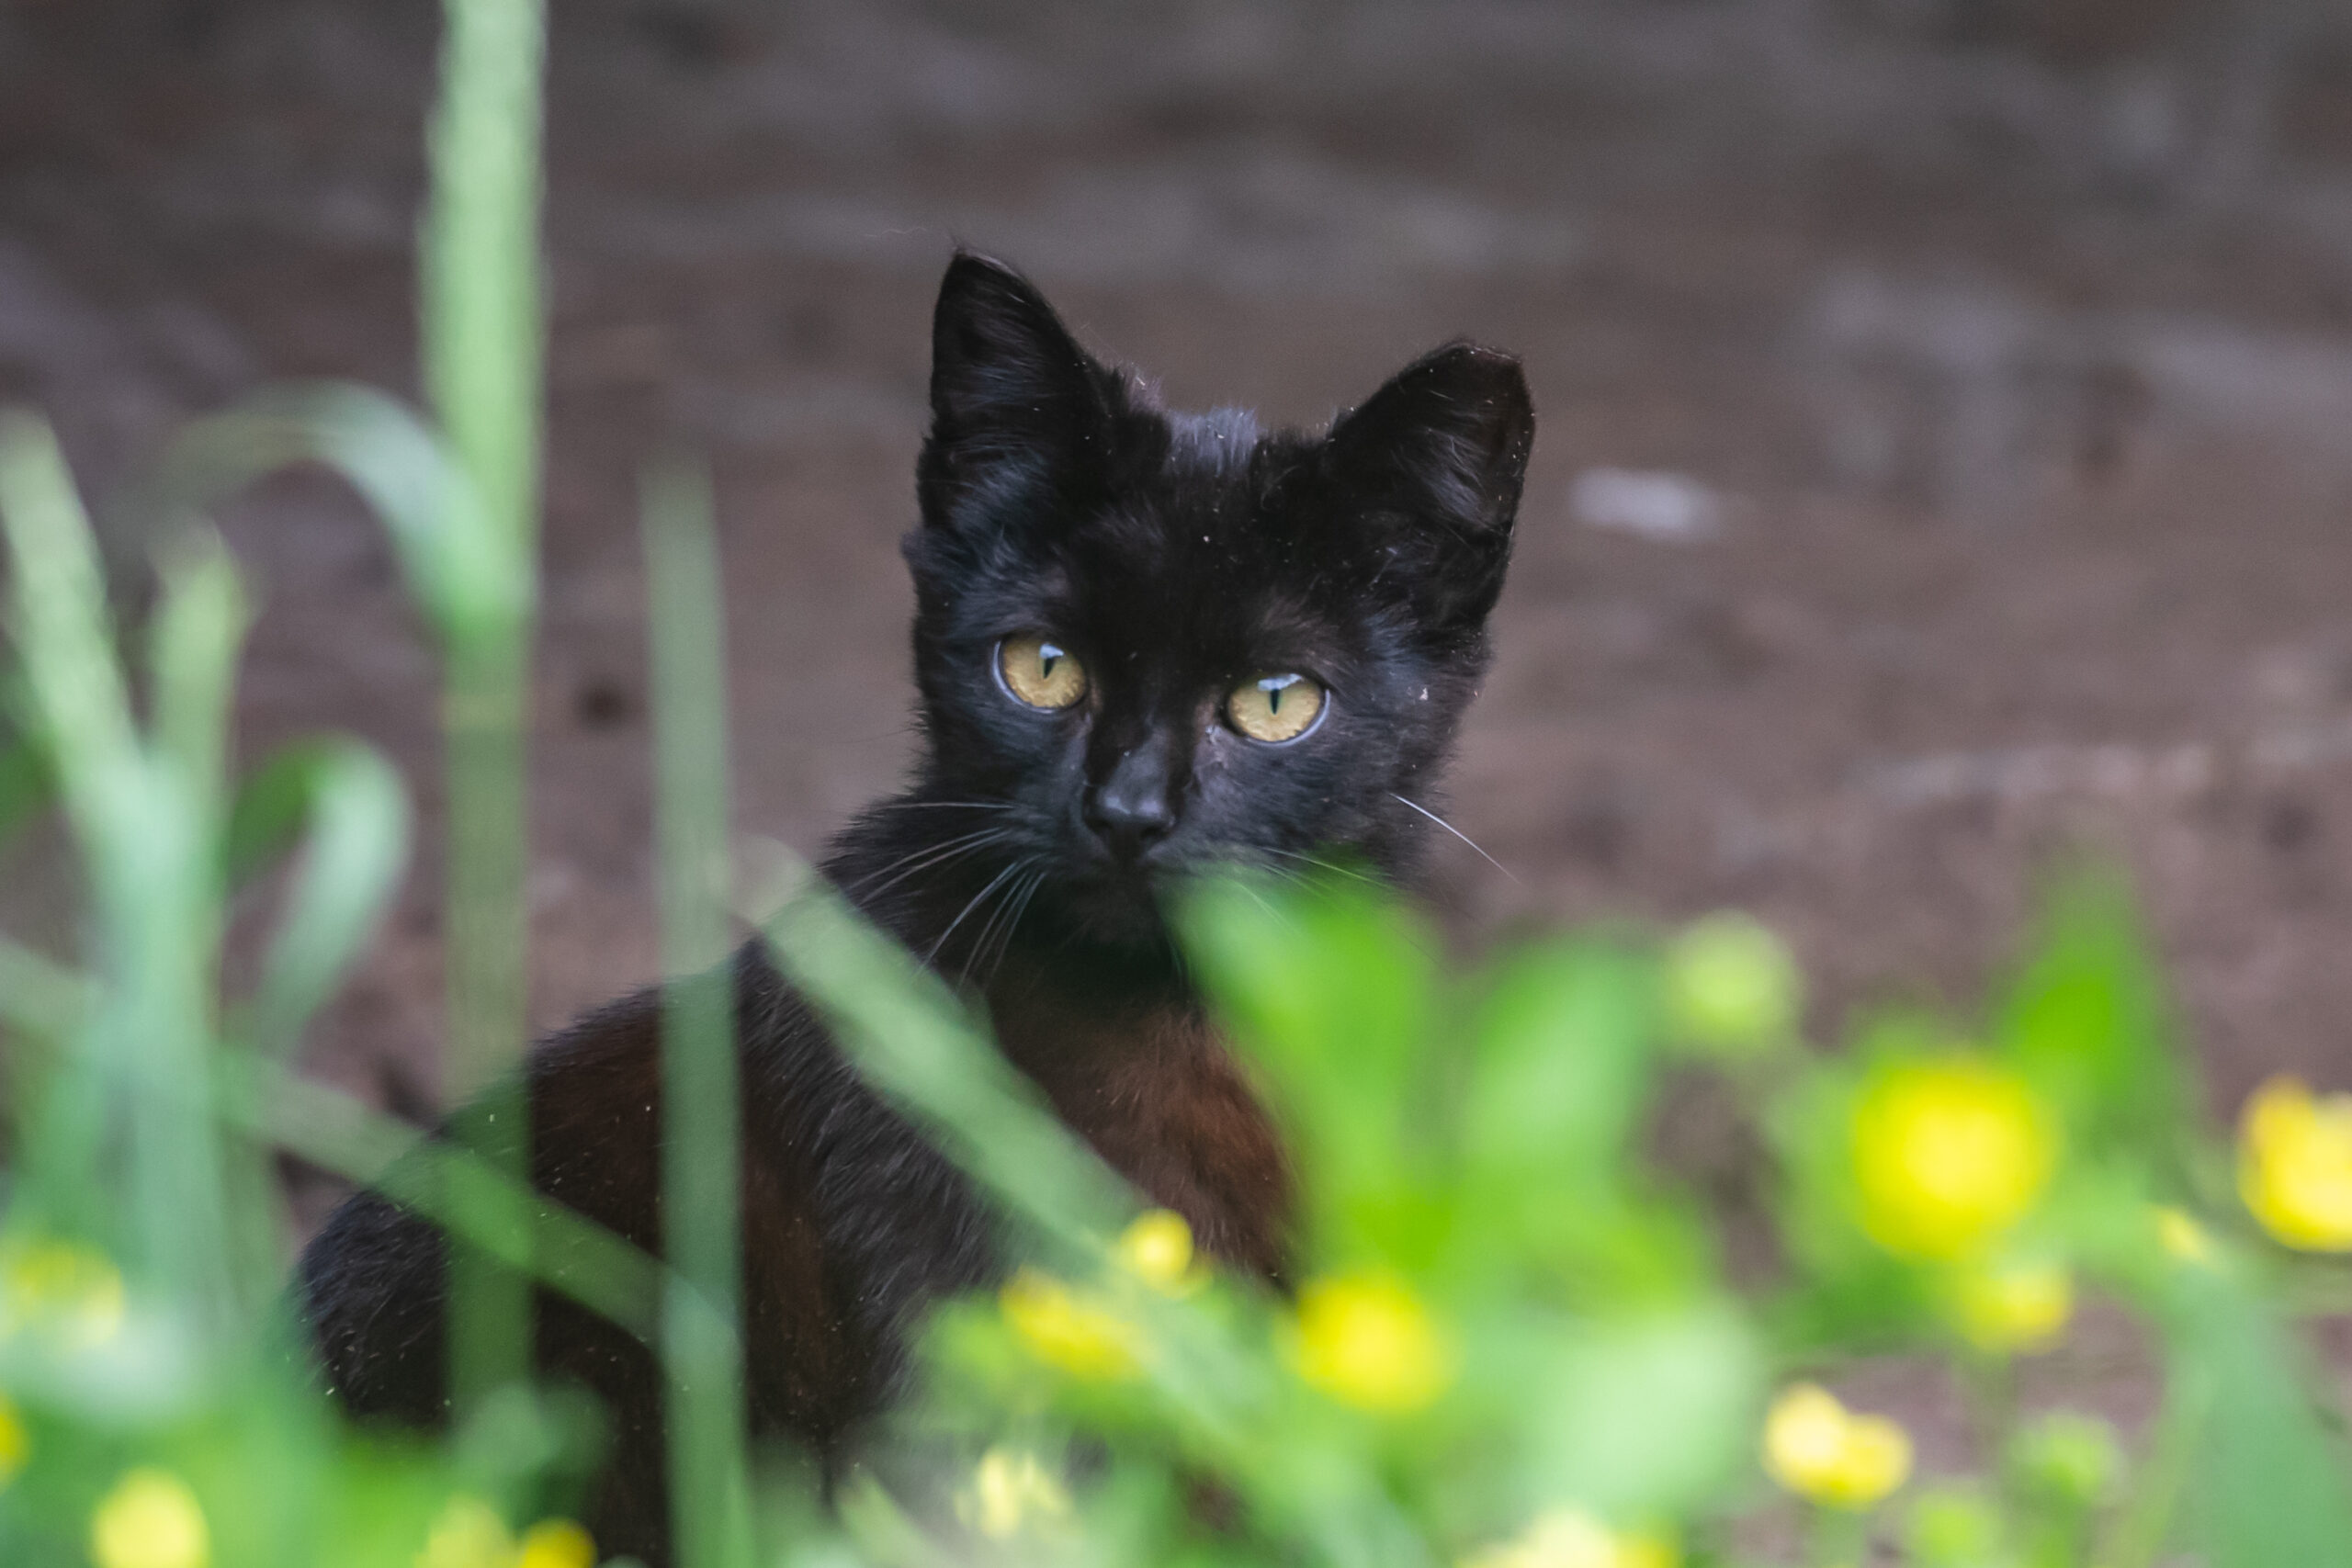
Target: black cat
{"points": [[1146, 642]]}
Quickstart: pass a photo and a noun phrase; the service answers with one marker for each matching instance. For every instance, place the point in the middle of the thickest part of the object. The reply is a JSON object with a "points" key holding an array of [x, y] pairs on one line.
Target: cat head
{"points": [[1149, 643]]}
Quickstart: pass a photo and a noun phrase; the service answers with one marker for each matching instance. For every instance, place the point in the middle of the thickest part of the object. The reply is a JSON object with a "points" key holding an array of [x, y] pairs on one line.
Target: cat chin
{"points": [[1114, 911]]}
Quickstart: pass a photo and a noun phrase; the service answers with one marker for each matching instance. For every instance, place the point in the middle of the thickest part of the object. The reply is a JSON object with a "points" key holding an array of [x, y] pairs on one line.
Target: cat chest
{"points": [[1159, 1098]]}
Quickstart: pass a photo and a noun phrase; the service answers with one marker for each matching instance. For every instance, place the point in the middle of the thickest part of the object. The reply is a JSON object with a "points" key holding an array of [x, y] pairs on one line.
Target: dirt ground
{"points": [[2003, 354]]}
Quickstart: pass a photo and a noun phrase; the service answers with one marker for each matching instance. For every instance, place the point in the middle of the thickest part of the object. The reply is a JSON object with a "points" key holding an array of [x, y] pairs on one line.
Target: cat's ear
{"points": [[1432, 463], [1019, 412]]}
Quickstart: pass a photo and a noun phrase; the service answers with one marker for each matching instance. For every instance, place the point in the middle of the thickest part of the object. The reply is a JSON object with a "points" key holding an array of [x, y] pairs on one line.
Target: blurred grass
{"points": [[701, 1335], [484, 338], [1511, 1338]]}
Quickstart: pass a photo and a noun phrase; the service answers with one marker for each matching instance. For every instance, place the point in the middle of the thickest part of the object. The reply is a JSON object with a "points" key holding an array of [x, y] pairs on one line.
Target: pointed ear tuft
{"points": [[1435, 460], [1018, 409]]}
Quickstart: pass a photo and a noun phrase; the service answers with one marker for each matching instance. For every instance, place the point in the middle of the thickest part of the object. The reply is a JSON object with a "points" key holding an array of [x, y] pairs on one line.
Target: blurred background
{"points": [[1943, 415]]}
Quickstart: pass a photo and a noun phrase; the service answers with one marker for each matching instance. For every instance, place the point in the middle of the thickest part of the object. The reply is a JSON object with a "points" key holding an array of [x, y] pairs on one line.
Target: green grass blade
{"points": [[142, 827], [447, 1185], [483, 328], [61, 627], [483, 332], [914, 1042], [351, 859], [701, 1133], [471, 581], [486, 976], [193, 643], [192, 654]]}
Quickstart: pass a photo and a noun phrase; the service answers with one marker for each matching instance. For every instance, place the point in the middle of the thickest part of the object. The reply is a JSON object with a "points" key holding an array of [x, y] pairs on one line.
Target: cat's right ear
{"points": [[1019, 412], [1433, 464]]}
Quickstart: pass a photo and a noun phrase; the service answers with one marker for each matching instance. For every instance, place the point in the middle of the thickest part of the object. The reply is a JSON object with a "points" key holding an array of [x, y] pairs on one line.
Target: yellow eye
{"points": [[1039, 673], [1274, 707]]}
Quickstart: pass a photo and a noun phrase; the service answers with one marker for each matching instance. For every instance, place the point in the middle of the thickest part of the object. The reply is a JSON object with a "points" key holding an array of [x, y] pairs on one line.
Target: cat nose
{"points": [[1130, 810]]}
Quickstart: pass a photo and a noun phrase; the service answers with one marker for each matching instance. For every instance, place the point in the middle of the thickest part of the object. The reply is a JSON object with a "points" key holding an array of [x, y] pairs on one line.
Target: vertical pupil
{"points": [[1047, 657], [1274, 700]]}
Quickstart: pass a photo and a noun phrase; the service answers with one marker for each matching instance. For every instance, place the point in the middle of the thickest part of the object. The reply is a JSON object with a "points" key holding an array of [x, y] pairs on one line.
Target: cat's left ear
{"points": [[1433, 462]]}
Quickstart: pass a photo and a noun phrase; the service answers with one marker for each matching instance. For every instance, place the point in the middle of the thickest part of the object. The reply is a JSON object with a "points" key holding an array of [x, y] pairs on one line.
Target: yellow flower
{"points": [[1642, 1549], [1065, 1329], [2181, 1237], [1012, 1492], [151, 1519], [1948, 1156], [1570, 1538], [71, 1293], [16, 1443], [1822, 1452], [1366, 1340], [2013, 1307], [555, 1544], [2295, 1165], [468, 1533], [1157, 1248]]}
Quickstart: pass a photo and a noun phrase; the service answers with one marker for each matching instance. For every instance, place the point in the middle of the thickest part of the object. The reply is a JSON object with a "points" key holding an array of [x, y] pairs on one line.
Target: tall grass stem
{"points": [[483, 346], [701, 1343]]}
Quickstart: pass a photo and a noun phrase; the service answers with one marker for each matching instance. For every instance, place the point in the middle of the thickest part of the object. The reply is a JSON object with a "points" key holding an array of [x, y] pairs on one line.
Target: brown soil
{"points": [[2015, 341]]}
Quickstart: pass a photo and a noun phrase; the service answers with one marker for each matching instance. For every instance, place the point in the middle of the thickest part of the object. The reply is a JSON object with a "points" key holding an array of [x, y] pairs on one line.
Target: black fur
{"points": [[1176, 555]]}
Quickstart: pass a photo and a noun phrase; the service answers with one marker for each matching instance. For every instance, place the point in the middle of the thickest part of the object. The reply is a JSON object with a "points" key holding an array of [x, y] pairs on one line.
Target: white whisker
{"points": [[988, 928], [1332, 866], [993, 882], [926, 856], [1456, 832], [942, 805], [1258, 899], [1016, 905]]}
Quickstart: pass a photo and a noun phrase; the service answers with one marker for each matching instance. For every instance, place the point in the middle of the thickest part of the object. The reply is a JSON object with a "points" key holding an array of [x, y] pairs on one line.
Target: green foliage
{"points": [[2087, 1018], [1338, 992], [2267, 1479], [1732, 989], [1509, 1338]]}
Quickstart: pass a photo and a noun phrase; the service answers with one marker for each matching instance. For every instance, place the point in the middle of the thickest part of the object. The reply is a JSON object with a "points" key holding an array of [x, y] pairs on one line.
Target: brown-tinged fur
{"points": [[1158, 1095]]}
